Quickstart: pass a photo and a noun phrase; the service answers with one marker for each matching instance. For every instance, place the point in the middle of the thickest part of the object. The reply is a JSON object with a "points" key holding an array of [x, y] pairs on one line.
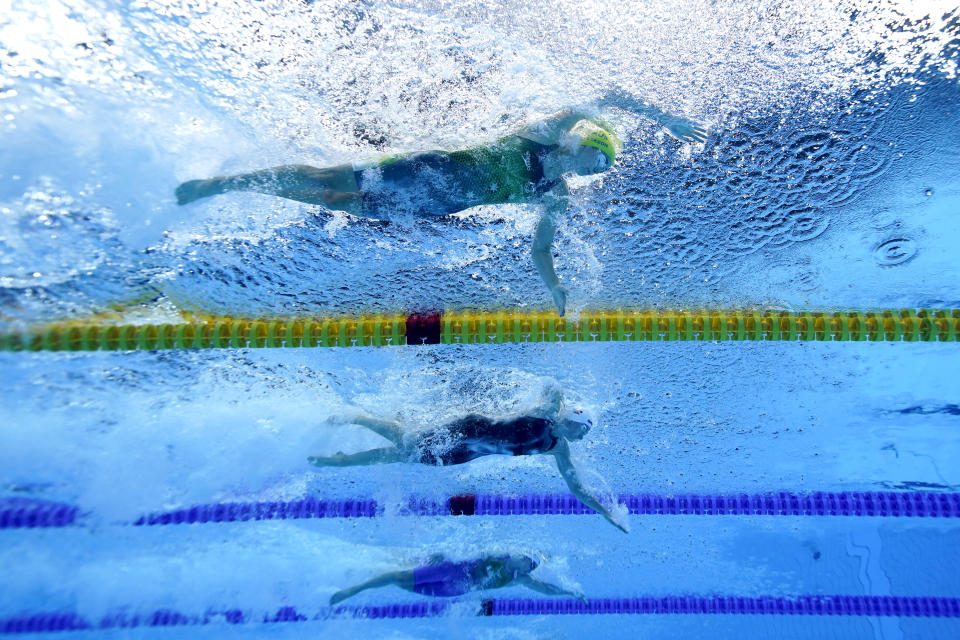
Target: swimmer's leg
{"points": [[402, 579], [364, 458], [389, 429], [334, 187]]}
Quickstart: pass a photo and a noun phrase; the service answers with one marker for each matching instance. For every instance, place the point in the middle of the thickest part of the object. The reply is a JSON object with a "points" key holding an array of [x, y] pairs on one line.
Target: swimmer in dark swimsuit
{"points": [[445, 579], [528, 166], [545, 430]]}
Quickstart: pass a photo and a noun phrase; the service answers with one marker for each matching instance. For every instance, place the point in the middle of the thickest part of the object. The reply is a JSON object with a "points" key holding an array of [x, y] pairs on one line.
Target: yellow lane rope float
{"points": [[888, 325]]}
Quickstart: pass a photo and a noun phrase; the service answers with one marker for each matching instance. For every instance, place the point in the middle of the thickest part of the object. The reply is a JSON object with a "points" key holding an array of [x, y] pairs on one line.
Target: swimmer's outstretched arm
{"points": [[569, 473], [548, 589], [681, 128], [551, 130], [554, 204]]}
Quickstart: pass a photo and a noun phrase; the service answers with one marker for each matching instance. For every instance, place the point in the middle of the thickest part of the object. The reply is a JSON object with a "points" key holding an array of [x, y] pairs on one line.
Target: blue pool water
{"points": [[829, 181]]}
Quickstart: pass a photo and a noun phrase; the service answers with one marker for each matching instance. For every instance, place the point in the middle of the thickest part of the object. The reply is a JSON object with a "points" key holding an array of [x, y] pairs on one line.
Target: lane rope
{"points": [[881, 325], [806, 605], [884, 504]]}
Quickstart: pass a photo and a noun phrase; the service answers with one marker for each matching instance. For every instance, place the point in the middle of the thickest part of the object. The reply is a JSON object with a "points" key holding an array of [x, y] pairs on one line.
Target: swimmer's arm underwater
{"points": [[549, 131], [679, 127], [547, 588], [554, 204], [569, 473], [553, 401]]}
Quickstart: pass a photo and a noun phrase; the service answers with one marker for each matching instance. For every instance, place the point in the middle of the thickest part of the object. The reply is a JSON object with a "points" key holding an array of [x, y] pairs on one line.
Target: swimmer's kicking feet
{"points": [[443, 578], [528, 166], [545, 430]]}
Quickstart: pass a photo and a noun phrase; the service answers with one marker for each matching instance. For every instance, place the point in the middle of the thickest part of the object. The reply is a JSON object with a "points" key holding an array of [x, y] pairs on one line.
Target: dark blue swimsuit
{"points": [[447, 579], [474, 436]]}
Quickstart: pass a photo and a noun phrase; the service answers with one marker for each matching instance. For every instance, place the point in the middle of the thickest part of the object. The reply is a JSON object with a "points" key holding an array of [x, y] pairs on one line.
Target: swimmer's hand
{"points": [[684, 130], [560, 299], [620, 526], [623, 526]]}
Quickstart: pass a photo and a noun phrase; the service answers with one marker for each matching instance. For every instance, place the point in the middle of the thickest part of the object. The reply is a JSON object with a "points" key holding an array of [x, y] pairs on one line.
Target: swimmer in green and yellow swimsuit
{"points": [[442, 578], [527, 167], [546, 429]]}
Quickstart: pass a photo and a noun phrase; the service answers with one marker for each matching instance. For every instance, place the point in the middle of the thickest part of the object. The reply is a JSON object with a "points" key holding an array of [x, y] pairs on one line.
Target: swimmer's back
{"points": [[438, 183], [447, 579], [474, 436]]}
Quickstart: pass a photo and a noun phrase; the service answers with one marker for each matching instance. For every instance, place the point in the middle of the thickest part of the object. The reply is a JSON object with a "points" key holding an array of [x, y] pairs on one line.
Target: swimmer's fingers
{"points": [[622, 526], [675, 133], [697, 134], [686, 130], [681, 133], [618, 525]]}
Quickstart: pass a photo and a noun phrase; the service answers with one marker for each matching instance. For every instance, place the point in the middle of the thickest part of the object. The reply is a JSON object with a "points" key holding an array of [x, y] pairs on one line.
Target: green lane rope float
{"points": [[882, 325]]}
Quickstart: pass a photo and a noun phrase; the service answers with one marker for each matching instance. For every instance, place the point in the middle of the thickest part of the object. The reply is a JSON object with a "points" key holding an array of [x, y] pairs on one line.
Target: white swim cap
{"points": [[578, 415]]}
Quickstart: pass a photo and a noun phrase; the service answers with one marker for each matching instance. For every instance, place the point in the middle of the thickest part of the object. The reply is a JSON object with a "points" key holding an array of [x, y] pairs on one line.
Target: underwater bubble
{"points": [[895, 251]]}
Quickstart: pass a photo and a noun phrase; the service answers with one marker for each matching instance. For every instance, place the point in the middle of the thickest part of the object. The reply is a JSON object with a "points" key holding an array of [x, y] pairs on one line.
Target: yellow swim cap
{"points": [[598, 136]]}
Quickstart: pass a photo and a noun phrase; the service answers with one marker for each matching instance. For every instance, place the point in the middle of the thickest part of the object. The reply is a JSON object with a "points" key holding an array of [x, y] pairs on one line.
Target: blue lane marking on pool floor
{"points": [[886, 504], [811, 605]]}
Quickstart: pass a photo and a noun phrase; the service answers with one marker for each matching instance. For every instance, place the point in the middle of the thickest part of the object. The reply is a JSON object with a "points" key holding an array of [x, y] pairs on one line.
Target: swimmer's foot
{"points": [[351, 415], [335, 460], [196, 189], [340, 596]]}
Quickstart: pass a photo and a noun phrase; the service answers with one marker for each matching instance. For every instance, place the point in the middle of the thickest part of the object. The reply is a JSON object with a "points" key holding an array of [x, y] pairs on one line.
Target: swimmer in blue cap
{"points": [[528, 166], [544, 430], [442, 578]]}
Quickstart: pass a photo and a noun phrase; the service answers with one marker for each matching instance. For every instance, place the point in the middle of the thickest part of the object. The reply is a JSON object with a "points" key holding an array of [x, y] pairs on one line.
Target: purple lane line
{"points": [[812, 605], [887, 504]]}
